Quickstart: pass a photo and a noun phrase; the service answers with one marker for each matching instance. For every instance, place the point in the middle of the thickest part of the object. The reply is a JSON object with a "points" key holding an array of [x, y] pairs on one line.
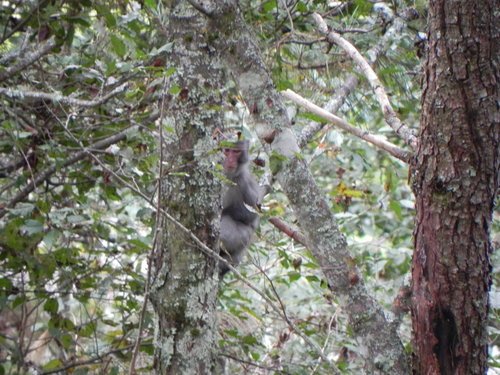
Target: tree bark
{"points": [[185, 288], [455, 178]]}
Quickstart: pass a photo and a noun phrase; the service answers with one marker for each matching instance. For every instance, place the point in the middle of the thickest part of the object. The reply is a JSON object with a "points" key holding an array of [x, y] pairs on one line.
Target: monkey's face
{"points": [[235, 159], [231, 160]]}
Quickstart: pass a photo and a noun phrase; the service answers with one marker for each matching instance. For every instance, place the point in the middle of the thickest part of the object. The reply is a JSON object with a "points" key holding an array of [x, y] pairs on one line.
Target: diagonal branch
{"points": [[332, 106], [28, 60], [350, 83], [389, 114], [45, 174], [341, 123], [59, 98], [291, 232]]}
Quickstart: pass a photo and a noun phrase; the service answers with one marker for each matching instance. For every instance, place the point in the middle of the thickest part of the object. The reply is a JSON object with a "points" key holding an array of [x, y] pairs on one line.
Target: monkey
{"points": [[238, 219]]}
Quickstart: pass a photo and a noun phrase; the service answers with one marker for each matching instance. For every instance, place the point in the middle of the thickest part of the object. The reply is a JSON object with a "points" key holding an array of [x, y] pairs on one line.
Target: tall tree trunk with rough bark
{"points": [[185, 283], [455, 178]]}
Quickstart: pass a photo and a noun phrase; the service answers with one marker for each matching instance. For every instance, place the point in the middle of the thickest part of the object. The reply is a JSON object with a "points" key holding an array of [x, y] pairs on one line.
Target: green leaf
{"points": [[103, 11], [174, 90], [111, 193], [66, 340], [51, 306], [276, 162], [52, 364], [31, 227], [150, 4], [18, 301], [312, 278], [51, 238], [170, 71], [87, 330], [231, 332], [67, 324], [363, 7], [249, 340], [75, 219], [255, 356], [109, 322], [312, 117], [284, 84], [5, 284], [294, 276], [118, 45], [396, 208], [269, 6], [136, 287], [79, 21]]}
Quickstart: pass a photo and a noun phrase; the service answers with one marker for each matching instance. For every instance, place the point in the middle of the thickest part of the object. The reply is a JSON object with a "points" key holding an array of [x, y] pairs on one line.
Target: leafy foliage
{"points": [[77, 180]]}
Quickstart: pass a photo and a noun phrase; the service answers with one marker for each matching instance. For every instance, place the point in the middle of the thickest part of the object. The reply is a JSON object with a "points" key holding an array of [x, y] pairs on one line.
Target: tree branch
{"points": [[59, 98], [389, 114], [28, 60], [293, 233], [337, 121], [89, 361], [350, 83], [45, 174]]}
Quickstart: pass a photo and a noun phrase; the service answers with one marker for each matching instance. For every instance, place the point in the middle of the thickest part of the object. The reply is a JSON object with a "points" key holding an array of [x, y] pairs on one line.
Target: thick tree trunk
{"points": [[455, 177], [185, 282]]}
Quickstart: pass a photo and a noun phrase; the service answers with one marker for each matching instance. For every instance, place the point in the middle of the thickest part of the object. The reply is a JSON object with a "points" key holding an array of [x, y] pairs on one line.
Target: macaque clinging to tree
{"points": [[238, 220]]}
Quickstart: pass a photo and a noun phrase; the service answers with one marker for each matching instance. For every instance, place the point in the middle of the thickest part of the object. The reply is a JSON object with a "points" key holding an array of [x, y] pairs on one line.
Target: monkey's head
{"points": [[235, 157]]}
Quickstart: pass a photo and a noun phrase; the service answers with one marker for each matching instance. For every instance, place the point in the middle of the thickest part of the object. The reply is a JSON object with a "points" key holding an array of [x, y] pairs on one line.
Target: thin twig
{"points": [[351, 81], [97, 358]]}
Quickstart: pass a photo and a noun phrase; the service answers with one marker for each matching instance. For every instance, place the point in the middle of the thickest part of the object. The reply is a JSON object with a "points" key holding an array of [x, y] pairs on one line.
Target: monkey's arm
{"points": [[240, 213], [251, 191]]}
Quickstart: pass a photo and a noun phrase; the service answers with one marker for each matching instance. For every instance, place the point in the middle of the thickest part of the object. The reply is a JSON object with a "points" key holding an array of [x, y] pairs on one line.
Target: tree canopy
{"points": [[85, 142]]}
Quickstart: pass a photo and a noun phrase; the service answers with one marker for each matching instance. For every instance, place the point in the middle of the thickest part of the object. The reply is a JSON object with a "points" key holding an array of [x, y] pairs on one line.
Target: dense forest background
{"points": [[84, 145]]}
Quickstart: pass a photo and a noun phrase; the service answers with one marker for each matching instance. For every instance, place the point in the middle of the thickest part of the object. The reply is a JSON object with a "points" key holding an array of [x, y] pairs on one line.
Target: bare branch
{"points": [[389, 114], [44, 175], [293, 233], [337, 121], [28, 60], [89, 361], [59, 98], [147, 285], [350, 83]]}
